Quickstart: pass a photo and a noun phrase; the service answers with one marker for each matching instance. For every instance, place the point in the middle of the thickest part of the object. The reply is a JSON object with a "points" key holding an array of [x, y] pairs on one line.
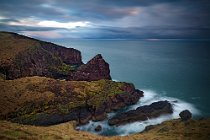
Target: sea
{"points": [[173, 70]]}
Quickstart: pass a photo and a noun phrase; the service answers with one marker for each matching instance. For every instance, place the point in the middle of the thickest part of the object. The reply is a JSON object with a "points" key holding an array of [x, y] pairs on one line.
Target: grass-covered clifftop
{"points": [[18, 92], [36, 100], [169, 130], [22, 56]]}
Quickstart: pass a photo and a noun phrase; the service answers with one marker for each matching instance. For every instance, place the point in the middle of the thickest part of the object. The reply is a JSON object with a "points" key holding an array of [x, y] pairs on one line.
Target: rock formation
{"points": [[21, 56], [69, 56], [98, 128], [97, 68], [142, 113], [185, 115]]}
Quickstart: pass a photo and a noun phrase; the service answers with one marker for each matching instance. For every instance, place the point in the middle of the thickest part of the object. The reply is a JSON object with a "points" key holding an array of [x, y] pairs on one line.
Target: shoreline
{"points": [[173, 129]]}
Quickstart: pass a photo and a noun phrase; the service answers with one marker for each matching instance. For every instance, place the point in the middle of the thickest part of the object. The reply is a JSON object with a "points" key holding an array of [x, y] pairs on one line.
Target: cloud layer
{"points": [[107, 19]]}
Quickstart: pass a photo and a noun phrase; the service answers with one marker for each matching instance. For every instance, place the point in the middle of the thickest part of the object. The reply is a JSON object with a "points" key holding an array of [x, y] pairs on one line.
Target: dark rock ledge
{"points": [[142, 113]]}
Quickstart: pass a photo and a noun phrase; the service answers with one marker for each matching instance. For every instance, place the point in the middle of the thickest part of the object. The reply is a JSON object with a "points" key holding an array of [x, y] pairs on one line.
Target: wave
{"points": [[149, 97], [115, 80]]}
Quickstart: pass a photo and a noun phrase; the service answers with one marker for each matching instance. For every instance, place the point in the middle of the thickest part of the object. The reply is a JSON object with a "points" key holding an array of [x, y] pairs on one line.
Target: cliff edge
{"points": [[21, 56]]}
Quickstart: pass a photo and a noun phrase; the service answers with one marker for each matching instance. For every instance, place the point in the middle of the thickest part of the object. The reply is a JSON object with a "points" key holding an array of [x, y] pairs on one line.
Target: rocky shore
{"points": [[45, 84], [85, 93], [169, 130]]}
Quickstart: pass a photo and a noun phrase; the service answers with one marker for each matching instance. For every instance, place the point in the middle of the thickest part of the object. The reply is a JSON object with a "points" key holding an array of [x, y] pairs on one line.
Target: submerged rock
{"points": [[142, 113], [98, 128], [185, 115]]}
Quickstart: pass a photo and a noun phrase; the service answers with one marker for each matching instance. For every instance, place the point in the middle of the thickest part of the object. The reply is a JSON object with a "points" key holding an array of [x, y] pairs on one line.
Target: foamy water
{"points": [[149, 97]]}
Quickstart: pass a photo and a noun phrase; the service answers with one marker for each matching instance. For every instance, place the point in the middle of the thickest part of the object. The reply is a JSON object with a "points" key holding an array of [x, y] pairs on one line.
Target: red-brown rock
{"points": [[97, 68], [116, 102], [22, 56]]}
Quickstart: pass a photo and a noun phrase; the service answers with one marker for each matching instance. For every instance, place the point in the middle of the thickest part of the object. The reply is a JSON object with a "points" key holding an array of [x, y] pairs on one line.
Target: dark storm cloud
{"points": [[24, 28], [147, 32], [108, 18], [17, 9]]}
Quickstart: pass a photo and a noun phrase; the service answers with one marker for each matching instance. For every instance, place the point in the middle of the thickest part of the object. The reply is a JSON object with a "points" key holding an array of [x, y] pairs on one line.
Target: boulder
{"points": [[98, 128], [142, 113], [185, 115]]}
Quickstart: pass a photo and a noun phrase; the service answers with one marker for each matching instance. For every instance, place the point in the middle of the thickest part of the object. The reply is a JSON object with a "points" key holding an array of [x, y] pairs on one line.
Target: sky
{"points": [[107, 19]]}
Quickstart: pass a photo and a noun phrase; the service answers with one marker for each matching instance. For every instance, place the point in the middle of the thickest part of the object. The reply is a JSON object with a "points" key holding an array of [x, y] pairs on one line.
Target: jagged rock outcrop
{"points": [[21, 56], [116, 102], [142, 113], [69, 56], [46, 101], [95, 69]]}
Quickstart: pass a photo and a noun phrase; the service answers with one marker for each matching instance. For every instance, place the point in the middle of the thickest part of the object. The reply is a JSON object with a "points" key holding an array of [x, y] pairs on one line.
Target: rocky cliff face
{"points": [[33, 62], [22, 56], [69, 56], [97, 68]]}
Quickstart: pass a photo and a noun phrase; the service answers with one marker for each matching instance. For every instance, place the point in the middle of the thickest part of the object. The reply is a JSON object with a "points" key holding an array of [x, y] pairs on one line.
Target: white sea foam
{"points": [[149, 97], [115, 80]]}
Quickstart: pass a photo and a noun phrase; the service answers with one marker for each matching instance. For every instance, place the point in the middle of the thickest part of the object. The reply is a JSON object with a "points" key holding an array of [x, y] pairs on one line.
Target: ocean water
{"points": [[174, 70]]}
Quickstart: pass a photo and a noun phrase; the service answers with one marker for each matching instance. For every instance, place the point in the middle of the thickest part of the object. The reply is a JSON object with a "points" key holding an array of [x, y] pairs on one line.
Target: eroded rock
{"points": [[97, 68]]}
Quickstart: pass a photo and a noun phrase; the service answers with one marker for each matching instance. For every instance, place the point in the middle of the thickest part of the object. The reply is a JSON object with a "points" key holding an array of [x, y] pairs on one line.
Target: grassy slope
{"points": [[8, 41], [170, 130]]}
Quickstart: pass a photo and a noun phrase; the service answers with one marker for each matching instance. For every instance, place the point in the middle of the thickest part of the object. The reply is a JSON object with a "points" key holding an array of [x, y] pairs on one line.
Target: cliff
{"points": [[33, 94], [21, 56], [46, 101]]}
